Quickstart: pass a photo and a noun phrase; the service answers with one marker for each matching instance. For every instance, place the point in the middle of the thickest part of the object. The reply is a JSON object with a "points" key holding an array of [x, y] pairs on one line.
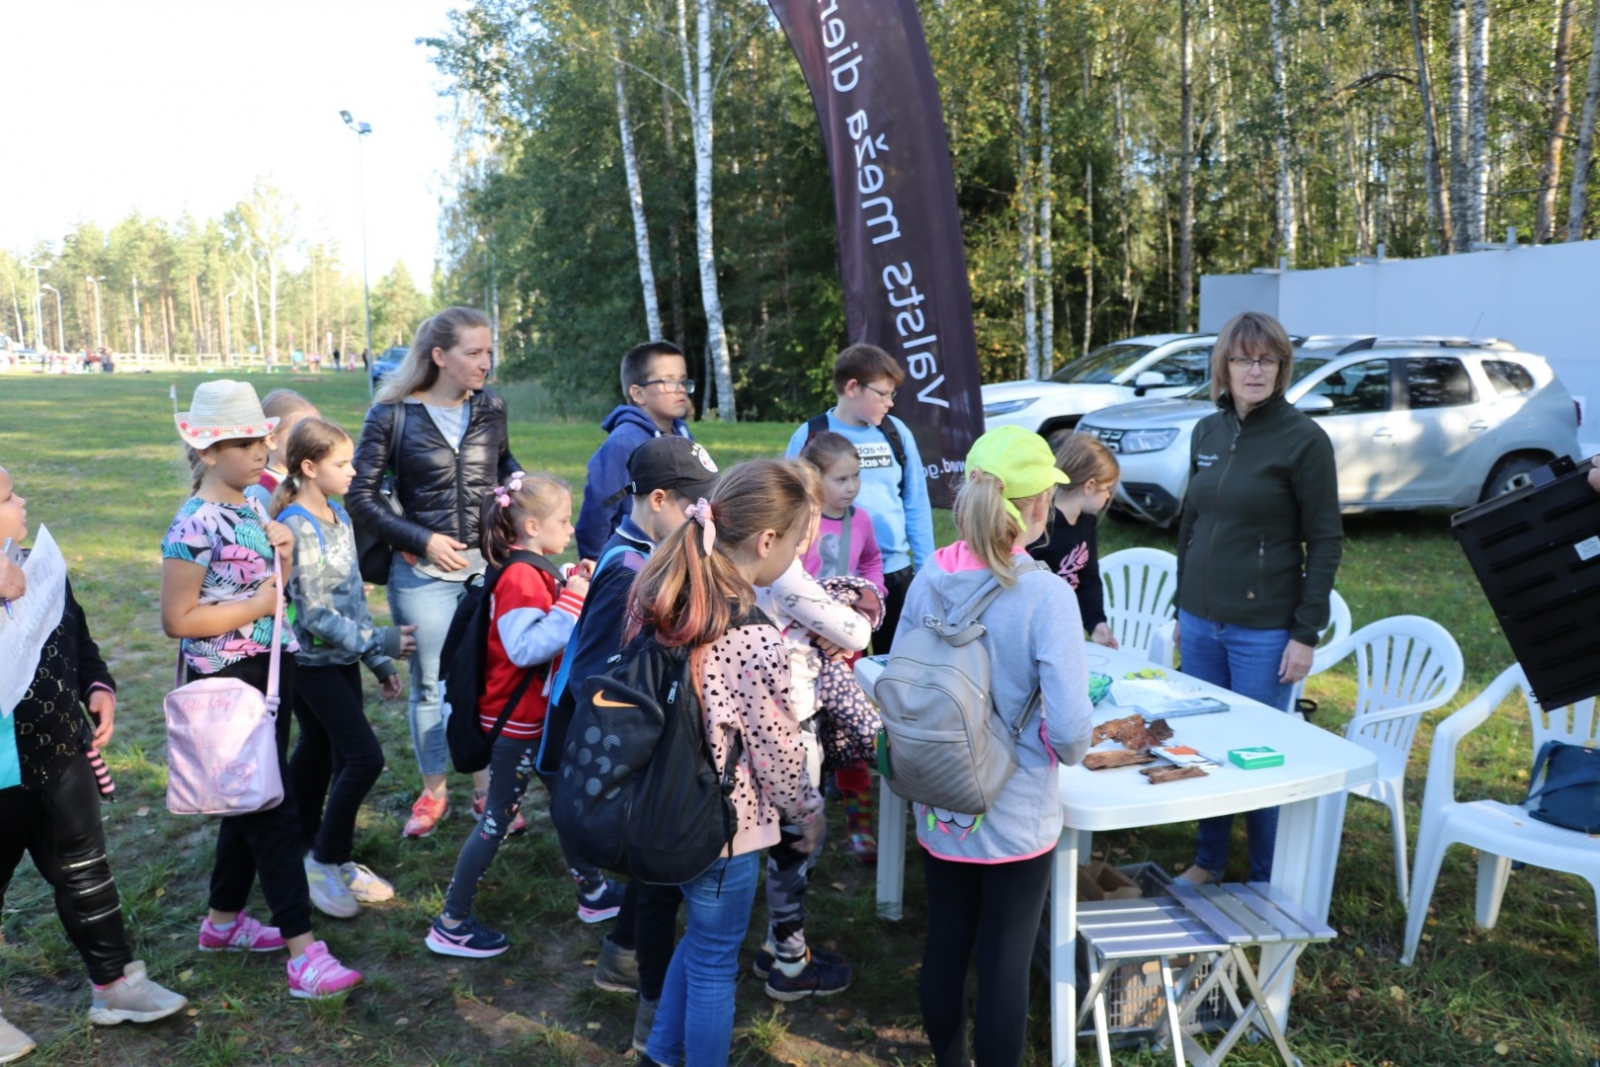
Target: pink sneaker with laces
{"points": [[320, 975], [425, 815], [246, 935]]}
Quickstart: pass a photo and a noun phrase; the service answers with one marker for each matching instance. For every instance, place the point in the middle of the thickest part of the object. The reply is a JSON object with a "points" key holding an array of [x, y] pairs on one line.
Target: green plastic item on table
{"points": [[1099, 686]]}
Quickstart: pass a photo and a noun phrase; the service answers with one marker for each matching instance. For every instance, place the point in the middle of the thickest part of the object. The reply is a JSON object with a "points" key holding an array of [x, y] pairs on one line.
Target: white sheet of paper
{"points": [[31, 621]]}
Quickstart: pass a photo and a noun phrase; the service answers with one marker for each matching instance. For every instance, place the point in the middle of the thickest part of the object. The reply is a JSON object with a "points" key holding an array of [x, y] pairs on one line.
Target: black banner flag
{"points": [[894, 200]]}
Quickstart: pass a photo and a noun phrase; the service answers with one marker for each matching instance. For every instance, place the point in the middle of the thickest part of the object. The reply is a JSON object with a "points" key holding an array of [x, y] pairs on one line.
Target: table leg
{"points": [[1302, 869], [891, 851], [1063, 950], [1330, 832]]}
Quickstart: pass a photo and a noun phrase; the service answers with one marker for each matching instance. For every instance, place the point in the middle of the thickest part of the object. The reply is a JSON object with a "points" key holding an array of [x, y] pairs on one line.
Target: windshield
{"points": [[1101, 365], [1304, 364]]}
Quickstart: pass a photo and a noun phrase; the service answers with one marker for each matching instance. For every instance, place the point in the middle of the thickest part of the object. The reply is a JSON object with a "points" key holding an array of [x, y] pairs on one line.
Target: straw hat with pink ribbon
{"points": [[223, 410]]}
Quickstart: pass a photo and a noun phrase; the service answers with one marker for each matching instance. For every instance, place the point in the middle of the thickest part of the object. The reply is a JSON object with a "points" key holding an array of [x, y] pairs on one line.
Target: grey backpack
{"points": [[947, 747]]}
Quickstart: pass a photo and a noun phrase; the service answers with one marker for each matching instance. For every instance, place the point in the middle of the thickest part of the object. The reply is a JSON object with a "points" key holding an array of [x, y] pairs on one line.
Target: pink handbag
{"points": [[222, 746]]}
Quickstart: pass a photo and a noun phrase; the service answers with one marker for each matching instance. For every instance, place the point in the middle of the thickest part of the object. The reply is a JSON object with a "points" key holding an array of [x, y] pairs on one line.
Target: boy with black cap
{"points": [[666, 475]]}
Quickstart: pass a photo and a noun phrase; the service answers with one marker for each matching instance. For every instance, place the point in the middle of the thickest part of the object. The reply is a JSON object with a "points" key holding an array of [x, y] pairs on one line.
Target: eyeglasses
{"points": [[671, 385], [1266, 363], [886, 395]]}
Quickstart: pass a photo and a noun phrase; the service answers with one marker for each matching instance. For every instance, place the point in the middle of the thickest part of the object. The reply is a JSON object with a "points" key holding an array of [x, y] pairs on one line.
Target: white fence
{"points": [[1544, 299]]}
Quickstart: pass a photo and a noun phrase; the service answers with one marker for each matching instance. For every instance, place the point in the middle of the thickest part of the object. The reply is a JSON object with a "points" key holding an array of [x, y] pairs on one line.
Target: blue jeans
{"points": [[694, 1021], [428, 604], [1245, 661]]}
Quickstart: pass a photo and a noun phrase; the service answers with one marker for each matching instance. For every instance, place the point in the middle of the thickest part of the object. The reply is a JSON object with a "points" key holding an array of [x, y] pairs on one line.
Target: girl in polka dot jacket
{"points": [[697, 591]]}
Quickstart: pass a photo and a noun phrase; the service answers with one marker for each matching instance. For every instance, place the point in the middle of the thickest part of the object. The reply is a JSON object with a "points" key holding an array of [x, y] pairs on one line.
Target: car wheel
{"points": [[1509, 474]]}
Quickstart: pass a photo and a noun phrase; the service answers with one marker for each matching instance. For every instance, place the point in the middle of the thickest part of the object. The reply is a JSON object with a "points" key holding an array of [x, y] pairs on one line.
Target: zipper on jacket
{"points": [[1261, 570], [1211, 542], [461, 505]]}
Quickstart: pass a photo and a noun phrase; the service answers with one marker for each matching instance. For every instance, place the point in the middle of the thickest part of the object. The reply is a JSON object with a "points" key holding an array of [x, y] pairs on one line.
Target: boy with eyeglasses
{"points": [[656, 383], [894, 489]]}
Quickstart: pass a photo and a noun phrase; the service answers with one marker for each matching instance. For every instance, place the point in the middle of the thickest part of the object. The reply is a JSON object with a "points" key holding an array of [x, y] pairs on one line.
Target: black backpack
{"points": [[463, 665], [637, 792]]}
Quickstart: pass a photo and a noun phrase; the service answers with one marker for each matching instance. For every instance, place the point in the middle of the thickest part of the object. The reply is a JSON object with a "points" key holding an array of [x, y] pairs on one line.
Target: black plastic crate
{"points": [[1536, 552]]}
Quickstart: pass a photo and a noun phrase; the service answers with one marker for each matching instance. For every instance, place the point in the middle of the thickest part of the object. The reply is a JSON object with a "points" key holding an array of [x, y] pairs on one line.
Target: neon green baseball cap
{"points": [[1020, 459]]}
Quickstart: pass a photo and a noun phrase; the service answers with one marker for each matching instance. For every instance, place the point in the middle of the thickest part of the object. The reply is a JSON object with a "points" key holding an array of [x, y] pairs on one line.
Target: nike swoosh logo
{"points": [[602, 701]]}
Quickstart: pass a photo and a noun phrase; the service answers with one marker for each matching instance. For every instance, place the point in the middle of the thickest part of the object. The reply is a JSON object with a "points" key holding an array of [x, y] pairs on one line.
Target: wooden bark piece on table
{"points": [[1101, 761], [1158, 775]]}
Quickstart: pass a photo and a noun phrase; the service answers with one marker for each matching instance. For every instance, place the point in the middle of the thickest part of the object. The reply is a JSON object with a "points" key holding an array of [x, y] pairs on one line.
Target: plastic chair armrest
{"points": [[1448, 734]]}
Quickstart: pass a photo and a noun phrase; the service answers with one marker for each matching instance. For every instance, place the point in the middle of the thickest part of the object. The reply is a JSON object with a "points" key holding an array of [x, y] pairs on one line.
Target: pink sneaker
{"points": [[518, 825], [320, 975], [425, 815], [246, 935]]}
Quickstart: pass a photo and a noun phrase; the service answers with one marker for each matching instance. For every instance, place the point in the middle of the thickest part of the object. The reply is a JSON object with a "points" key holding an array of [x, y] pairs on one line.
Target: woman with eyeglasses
{"points": [[1258, 547]]}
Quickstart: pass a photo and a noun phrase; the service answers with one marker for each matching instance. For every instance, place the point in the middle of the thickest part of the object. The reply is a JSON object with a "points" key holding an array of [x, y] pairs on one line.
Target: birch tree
{"points": [[1280, 102], [630, 165], [1544, 227], [1047, 259], [1185, 166], [1460, 200], [1025, 211], [1583, 155], [1438, 209], [1478, 121], [697, 90]]}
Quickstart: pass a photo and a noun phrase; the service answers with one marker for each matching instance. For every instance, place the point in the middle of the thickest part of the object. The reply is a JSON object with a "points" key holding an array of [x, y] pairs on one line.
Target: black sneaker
{"points": [[819, 978], [764, 960]]}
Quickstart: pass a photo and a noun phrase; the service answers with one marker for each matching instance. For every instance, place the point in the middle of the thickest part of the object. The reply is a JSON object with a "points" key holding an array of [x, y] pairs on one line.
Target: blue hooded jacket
{"points": [[628, 427]]}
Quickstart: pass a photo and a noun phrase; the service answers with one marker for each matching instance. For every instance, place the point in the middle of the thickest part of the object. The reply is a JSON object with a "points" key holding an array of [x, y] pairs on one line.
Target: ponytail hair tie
{"points": [[502, 493], [700, 511]]}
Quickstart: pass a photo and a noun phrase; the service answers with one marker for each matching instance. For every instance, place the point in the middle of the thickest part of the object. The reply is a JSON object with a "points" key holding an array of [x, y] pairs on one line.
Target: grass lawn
{"points": [[100, 464]]}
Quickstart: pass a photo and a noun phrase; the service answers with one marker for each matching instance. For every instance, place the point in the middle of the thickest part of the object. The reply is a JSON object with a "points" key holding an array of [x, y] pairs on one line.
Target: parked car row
{"points": [[1415, 421]]}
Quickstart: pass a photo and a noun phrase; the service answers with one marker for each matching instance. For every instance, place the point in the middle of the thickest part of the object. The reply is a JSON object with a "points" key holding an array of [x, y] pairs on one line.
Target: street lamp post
{"points": [[38, 308], [61, 336], [361, 130], [227, 328], [99, 338], [138, 342]]}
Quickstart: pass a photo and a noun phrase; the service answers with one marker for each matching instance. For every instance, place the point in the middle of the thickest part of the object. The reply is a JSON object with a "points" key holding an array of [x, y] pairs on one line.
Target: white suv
{"points": [[1163, 364], [1415, 422]]}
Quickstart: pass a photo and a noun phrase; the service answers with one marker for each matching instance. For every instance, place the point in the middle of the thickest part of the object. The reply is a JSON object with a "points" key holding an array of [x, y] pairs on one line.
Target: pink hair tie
{"points": [[700, 511], [502, 493]]}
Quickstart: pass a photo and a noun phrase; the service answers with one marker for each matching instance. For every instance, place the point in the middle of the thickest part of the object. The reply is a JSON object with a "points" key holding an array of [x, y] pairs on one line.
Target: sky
{"points": [[174, 104]]}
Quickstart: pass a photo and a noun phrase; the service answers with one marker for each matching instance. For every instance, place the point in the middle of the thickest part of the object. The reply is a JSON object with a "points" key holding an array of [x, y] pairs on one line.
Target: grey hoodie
{"points": [[1035, 639]]}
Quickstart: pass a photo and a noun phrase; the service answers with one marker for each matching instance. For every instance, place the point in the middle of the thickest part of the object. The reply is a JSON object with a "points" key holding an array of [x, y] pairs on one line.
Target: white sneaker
{"points": [[365, 886], [329, 894], [133, 998], [14, 1044]]}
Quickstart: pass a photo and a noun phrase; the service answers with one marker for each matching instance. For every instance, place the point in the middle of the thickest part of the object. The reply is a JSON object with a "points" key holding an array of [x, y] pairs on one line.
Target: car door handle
{"points": [[1478, 426], [1382, 435]]}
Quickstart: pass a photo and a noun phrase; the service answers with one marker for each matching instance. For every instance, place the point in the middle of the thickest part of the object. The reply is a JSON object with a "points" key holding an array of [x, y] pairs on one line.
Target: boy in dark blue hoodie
{"points": [[656, 382], [665, 475]]}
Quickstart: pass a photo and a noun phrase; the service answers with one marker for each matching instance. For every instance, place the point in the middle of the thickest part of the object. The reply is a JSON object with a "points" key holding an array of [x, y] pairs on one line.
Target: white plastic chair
{"points": [[1500, 832], [1140, 587], [1405, 667], [1333, 647]]}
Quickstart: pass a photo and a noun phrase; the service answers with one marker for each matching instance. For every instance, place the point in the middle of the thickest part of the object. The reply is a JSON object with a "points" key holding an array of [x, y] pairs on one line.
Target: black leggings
{"points": [[648, 924], [998, 907], [336, 761], [896, 583], [264, 842], [59, 826]]}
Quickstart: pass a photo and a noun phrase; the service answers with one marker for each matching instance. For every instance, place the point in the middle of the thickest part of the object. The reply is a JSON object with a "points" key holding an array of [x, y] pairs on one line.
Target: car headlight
{"points": [[1147, 440], [1007, 407]]}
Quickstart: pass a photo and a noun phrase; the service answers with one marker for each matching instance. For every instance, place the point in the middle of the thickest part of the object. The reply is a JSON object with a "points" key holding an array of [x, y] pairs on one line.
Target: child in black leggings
{"points": [[49, 797]]}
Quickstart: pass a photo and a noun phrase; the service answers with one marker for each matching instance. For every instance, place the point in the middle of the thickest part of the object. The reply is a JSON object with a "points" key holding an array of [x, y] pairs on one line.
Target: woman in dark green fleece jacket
{"points": [[1257, 549]]}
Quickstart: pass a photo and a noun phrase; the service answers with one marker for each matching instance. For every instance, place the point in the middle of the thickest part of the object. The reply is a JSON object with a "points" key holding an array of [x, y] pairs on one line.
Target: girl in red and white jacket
{"points": [[533, 607]]}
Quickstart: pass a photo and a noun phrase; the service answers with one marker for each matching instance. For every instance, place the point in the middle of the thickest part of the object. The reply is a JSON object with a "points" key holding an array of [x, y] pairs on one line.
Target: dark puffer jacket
{"points": [[439, 487]]}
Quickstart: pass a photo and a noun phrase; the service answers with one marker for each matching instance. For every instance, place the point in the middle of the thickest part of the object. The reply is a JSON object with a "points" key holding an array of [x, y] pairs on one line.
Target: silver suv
{"points": [[1415, 422], [1162, 364]]}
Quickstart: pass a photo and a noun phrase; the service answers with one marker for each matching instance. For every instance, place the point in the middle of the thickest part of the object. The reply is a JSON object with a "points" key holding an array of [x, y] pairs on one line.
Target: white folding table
{"points": [[1319, 768]]}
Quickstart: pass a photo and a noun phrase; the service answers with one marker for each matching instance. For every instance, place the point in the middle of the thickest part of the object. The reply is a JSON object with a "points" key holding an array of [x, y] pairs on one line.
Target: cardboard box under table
{"points": [[1309, 789]]}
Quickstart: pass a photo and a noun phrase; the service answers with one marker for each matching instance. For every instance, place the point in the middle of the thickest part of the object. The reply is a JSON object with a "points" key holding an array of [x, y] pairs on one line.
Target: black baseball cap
{"points": [[671, 462]]}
